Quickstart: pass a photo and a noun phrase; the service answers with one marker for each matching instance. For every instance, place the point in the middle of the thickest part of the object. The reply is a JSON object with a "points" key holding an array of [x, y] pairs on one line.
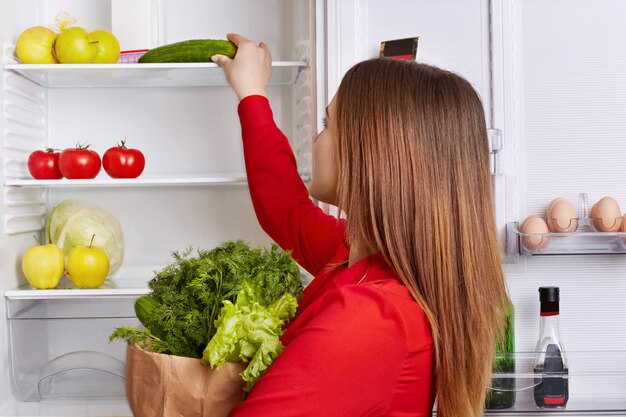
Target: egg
{"points": [[606, 215], [561, 216], [533, 225]]}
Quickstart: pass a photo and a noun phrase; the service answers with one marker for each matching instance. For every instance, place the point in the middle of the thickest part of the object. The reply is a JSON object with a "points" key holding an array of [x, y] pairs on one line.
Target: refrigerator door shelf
{"points": [[584, 241], [596, 382], [143, 75]]}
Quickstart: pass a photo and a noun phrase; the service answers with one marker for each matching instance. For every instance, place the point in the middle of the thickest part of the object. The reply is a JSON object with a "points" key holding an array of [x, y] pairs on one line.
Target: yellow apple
{"points": [[87, 266], [107, 46], [75, 46], [43, 265], [35, 45]]}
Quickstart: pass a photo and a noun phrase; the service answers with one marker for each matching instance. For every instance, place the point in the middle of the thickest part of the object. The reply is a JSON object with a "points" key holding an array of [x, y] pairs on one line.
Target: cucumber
{"points": [[195, 50], [144, 308]]}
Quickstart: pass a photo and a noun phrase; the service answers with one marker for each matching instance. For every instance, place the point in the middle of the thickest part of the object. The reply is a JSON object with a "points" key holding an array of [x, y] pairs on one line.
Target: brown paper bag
{"points": [[159, 385]]}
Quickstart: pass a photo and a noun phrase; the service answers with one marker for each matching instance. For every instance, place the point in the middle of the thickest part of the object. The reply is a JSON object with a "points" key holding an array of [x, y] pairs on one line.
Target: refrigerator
{"points": [[552, 79]]}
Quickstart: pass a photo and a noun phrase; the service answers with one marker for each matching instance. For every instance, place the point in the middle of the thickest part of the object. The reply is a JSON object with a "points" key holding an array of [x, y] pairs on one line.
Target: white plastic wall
{"points": [[11, 247]]}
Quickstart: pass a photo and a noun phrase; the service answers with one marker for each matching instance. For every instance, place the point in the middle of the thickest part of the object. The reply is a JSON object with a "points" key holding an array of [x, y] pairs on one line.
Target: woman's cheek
{"points": [[324, 182]]}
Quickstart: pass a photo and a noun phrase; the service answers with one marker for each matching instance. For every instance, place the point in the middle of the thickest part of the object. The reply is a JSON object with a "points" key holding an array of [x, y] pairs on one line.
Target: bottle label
{"points": [[552, 389]]}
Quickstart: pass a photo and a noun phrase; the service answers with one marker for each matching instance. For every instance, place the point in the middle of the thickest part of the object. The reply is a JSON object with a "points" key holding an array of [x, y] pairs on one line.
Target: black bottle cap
{"points": [[549, 294], [549, 298]]}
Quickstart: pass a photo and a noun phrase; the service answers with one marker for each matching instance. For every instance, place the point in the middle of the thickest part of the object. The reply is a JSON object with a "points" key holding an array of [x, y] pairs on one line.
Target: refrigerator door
{"points": [[561, 99], [551, 76], [564, 126]]}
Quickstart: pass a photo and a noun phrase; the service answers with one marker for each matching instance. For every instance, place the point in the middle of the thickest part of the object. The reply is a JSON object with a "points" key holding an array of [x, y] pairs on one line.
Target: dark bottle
{"points": [[550, 363], [501, 395]]}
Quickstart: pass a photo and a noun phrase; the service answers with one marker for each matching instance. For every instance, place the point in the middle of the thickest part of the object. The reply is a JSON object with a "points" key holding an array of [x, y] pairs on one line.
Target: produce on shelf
{"points": [[87, 266], [43, 265], [74, 222], [75, 46], [107, 47], [123, 162], [233, 294], [35, 45], [67, 45], [79, 162], [44, 165], [194, 50]]}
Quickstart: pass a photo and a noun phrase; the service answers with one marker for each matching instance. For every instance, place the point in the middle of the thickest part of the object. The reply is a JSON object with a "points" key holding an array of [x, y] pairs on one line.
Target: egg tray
{"points": [[588, 237], [584, 241]]}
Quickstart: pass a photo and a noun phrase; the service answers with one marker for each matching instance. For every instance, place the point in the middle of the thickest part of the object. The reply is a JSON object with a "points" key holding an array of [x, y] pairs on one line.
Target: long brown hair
{"points": [[415, 184]]}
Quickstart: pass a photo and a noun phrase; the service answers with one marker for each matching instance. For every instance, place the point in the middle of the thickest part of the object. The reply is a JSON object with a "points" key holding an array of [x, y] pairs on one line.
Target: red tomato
{"points": [[79, 163], [123, 162], [44, 165]]}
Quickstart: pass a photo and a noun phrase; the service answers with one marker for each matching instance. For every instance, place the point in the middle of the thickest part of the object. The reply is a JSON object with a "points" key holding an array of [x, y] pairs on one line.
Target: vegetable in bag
{"points": [[223, 305]]}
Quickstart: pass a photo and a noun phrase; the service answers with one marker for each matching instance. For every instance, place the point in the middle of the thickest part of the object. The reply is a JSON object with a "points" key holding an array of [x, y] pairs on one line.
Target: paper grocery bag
{"points": [[159, 385]]}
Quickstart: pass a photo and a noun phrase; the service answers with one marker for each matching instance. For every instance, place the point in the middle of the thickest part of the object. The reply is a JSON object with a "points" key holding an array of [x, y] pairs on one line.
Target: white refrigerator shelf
{"points": [[105, 181], [112, 288], [144, 181], [143, 75]]}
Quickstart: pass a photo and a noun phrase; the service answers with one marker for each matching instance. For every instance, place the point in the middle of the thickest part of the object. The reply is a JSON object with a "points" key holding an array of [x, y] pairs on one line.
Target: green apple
{"points": [[87, 266], [43, 265], [107, 46], [35, 45], [75, 46]]}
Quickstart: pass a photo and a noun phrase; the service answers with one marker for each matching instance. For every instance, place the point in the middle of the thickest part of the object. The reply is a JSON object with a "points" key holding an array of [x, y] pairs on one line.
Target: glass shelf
{"points": [[142, 75], [596, 383]]}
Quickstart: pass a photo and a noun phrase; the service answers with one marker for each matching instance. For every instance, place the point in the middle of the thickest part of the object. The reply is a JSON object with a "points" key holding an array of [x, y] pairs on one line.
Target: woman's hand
{"points": [[250, 70]]}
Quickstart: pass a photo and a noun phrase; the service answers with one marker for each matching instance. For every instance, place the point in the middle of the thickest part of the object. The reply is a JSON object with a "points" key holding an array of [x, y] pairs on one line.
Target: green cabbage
{"points": [[249, 332], [74, 222]]}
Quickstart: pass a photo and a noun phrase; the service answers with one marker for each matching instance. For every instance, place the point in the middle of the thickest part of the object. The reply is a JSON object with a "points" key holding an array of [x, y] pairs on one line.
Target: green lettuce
{"points": [[249, 332]]}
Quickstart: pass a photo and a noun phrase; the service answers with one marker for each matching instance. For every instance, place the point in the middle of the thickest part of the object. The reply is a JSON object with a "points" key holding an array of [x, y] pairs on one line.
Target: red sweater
{"points": [[360, 346]]}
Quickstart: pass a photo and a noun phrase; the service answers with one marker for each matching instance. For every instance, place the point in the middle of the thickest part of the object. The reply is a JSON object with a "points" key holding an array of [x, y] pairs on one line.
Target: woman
{"points": [[407, 298]]}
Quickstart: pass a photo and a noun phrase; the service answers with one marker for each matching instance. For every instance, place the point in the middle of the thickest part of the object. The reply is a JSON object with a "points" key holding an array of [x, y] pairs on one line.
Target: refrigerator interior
{"points": [[192, 192]]}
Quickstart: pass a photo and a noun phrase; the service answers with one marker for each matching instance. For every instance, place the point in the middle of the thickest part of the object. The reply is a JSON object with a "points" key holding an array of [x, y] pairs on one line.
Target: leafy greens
{"points": [[249, 332], [190, 292]]}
